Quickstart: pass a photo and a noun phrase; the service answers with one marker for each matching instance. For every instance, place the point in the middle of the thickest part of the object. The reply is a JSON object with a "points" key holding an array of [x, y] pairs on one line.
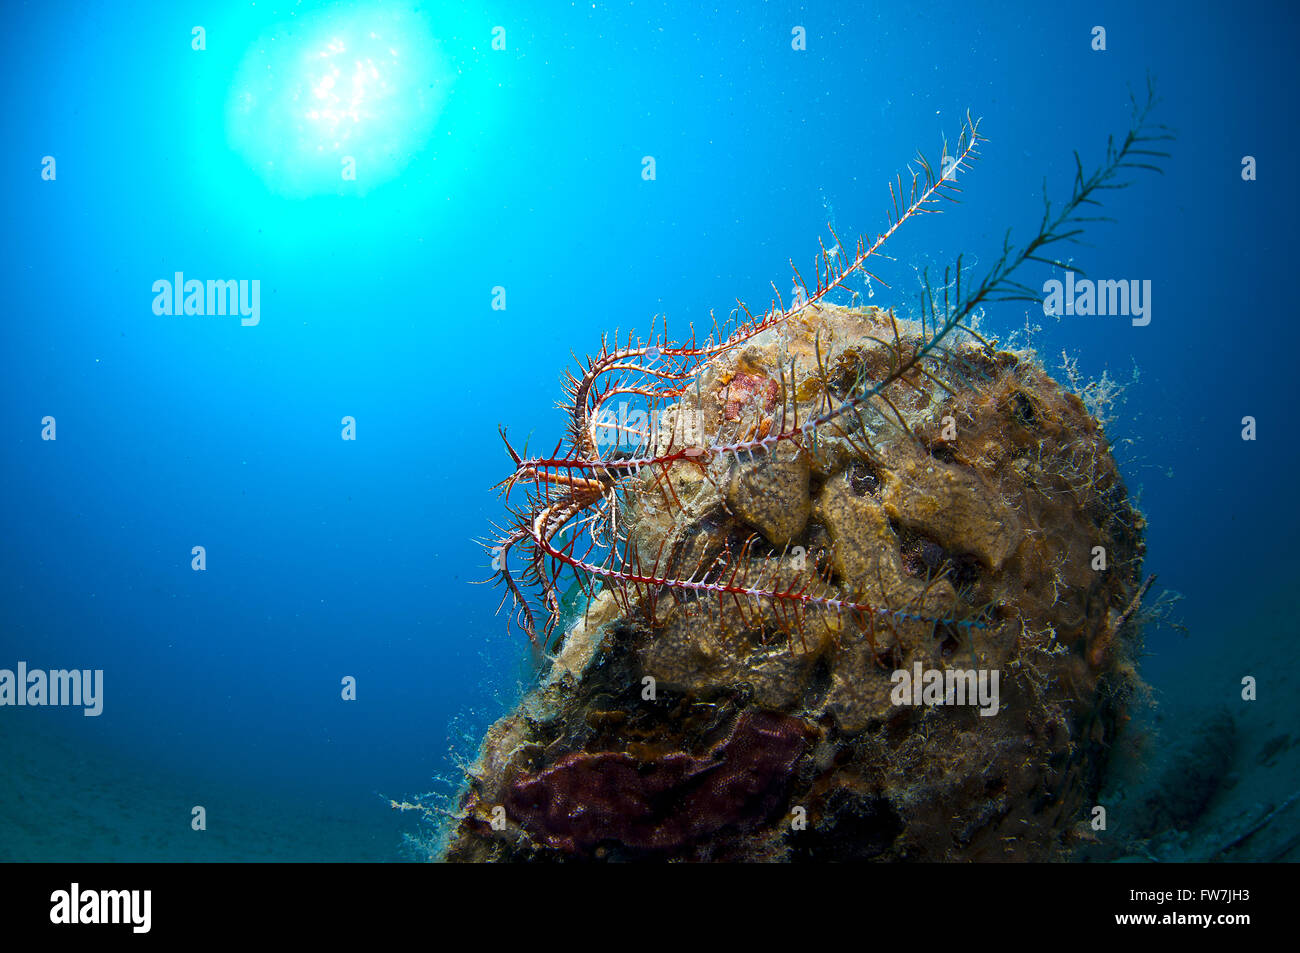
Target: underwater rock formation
{"points": [[978, 495], [850, 586]]}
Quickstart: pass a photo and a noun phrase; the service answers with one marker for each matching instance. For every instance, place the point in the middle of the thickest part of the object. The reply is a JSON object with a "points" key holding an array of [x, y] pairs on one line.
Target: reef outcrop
{"points": [[975, 501]]}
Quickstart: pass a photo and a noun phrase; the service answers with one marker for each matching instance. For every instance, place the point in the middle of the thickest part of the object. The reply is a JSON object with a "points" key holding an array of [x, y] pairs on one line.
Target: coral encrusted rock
{"points": [[974, 501]]}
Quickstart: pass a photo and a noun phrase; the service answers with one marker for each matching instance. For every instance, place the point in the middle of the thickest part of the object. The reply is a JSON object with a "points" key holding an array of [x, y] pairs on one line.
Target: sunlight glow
{"points": [[355, 92]]}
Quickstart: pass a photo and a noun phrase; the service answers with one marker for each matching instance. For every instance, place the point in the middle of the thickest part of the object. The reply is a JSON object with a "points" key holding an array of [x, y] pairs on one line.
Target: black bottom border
{"points": [[366, 902]]}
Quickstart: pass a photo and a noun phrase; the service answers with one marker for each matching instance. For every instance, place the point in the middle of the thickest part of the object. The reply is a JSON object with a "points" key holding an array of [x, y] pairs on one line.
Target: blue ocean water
{"points": [[486, 175]]}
